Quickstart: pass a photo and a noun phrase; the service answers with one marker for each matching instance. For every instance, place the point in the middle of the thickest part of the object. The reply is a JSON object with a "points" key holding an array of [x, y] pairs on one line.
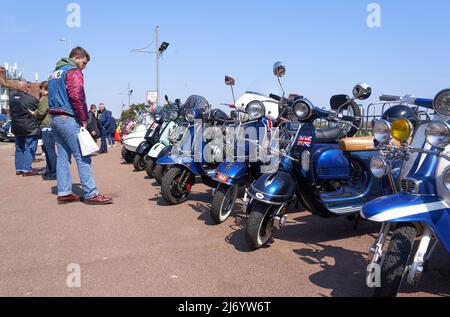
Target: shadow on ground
{"points": [[341, 270], [76, 188]]}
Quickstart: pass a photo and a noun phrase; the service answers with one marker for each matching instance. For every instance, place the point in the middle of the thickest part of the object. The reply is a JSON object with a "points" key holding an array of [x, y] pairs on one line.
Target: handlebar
{"points": [[278, 98], [420, 102], [389, 98]]}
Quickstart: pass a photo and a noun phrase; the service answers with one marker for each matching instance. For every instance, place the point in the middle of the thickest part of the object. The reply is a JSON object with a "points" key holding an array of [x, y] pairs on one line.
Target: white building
{"points": [[4, 100]]}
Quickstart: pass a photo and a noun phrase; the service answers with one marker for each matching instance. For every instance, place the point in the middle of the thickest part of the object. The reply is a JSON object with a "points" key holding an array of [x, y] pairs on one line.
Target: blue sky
{"points": [[326, 45]]}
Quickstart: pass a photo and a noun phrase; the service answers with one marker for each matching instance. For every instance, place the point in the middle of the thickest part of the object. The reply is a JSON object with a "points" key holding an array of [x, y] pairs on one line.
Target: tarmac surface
{"points": [[140, 246]]}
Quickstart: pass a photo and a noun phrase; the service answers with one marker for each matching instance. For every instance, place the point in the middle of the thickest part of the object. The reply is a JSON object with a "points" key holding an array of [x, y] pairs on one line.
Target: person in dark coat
{"points": [[25, 127], [92, 126], [105, 120], [112, 131]]}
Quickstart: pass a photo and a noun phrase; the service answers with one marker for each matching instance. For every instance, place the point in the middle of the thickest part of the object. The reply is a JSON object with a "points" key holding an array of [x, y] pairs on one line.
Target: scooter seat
{"points": [[327, 135], [361, 144]]}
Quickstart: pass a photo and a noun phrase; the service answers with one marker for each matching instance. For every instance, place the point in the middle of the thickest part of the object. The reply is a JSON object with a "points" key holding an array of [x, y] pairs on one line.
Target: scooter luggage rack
{"points": [[373, 112], [284, 145]]}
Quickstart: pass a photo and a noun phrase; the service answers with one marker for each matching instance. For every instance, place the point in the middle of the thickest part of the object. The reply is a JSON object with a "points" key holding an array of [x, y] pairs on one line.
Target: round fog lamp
{"points": [[382, 131], [446, 179], [378, 167], [438, 134], [402, 130]]}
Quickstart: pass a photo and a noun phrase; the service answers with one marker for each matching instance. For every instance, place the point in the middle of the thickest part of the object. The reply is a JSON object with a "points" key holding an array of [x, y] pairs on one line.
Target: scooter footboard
{"points": [[408, 208]]}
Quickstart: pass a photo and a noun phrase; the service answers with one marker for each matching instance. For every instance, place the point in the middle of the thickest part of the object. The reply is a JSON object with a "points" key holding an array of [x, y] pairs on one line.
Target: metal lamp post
{"points": [[66, 40], [160, 49]]}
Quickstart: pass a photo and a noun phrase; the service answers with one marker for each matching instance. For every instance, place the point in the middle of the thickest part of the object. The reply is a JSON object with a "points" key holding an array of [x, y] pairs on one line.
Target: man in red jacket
{"points": [[68, 108]]}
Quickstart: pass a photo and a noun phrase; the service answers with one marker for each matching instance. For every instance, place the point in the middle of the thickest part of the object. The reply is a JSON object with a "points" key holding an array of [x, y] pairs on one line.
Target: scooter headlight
{"points": [[190, 115], [446, 179], [402, 130], [378, 167], [158, 116], [302, 110], [442, 103], [255, 110], [438, 134], [382, 131], [174, 115]]}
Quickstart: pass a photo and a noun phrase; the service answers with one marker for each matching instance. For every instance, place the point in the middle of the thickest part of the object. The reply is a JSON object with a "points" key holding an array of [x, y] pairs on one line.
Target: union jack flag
{"points": [[268, 123], [305, 141]]}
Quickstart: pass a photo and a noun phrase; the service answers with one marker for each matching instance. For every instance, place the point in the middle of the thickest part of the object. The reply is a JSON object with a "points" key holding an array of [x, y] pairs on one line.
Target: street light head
{"points": [[163, 47]]}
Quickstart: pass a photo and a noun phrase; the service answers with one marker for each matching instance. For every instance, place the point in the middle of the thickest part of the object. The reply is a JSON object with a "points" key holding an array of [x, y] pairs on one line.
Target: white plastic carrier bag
{"points": [[87, 144]]}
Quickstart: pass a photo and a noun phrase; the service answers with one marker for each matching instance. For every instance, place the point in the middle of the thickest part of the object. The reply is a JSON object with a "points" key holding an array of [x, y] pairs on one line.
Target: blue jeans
{"points": [[65, 131], [48, 141], [103, 144], [111, 139], [26, 147]]}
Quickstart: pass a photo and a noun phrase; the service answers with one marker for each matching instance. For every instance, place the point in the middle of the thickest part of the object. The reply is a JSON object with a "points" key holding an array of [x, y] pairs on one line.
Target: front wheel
{"points": [[127, 155], [224, 200], [396, 261], [150, 168], [139, 163], [259, 224], [176, 185], [159, 173]]}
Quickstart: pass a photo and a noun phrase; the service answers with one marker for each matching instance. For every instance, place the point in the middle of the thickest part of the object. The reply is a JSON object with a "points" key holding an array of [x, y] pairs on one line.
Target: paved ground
{"points": [[141, 247]]}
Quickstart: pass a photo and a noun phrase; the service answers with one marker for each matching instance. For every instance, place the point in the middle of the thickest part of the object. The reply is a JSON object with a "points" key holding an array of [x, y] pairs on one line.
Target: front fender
{"points": [[165, 152], [276, 189], [143, 148], [231, 173], [186, 161], [408, 208], [156, 149]]}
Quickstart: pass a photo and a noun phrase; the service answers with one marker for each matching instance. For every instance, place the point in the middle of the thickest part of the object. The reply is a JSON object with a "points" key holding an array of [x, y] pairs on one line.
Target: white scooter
{"points": [[131, 141]]}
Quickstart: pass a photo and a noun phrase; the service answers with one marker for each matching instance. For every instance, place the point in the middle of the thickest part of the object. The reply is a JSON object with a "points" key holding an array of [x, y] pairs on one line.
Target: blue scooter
{"points": [[420, 208], [187, 161], [325, 169], [253, 120]]}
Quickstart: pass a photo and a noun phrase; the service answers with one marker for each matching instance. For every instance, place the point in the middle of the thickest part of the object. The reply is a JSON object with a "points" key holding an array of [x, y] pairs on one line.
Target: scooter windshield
{"points": [[196, 102]]}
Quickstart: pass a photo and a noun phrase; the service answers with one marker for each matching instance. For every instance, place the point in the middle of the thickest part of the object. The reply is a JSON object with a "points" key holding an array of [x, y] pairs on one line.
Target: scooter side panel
{"points": [[133, 140], [408, 208], [329, 162]]}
